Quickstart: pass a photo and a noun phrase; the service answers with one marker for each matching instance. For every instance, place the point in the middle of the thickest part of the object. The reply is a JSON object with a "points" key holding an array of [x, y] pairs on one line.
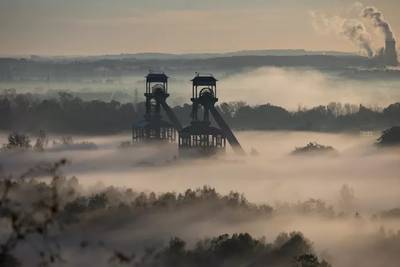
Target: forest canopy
{"points": [[70, 114]]}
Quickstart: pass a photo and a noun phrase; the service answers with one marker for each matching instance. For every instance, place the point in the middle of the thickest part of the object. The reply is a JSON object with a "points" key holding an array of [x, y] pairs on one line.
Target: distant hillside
{"points": [[169, 56], [32, 69]]}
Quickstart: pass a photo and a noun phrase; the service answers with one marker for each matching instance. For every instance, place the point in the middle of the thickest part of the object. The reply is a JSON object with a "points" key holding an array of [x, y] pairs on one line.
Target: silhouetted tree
{"points": [[18, 141], [41, 141], [34, 219], [390, 137], [70, 114]]}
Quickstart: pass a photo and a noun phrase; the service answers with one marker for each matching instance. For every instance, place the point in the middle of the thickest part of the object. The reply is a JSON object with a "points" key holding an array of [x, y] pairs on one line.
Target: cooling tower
{"points": [[390, 53]]}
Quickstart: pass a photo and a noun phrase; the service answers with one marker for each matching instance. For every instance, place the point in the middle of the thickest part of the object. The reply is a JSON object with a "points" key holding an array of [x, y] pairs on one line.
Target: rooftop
{"points": [[156, 77], [204, 80]]}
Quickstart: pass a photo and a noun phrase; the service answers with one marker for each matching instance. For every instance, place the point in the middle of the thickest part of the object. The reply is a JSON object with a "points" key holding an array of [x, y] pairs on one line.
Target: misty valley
{"points": [[199, 133], [317, 183], [146, 206]]}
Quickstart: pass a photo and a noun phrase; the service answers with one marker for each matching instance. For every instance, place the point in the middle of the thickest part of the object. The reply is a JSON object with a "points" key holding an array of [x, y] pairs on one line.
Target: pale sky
{"points": [[78, 27]]}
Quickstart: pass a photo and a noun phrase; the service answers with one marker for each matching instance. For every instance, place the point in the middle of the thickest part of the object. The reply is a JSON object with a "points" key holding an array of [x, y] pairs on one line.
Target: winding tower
{"points": [[200, 136], [153, 127]]}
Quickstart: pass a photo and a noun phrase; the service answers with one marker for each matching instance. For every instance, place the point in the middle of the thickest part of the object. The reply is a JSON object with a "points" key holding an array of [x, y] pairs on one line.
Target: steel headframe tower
{"points": [[153, 127], [200, 136]]}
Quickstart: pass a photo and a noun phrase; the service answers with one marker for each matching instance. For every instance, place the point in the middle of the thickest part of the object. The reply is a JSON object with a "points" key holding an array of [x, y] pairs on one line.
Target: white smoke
{"points": [[378, 20], [356, 32], [352, 29]]}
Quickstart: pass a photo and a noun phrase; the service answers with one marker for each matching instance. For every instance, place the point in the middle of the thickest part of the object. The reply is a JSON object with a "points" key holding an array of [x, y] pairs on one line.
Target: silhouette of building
{"points": [[153, 127], [200, 137], [390, 53]]}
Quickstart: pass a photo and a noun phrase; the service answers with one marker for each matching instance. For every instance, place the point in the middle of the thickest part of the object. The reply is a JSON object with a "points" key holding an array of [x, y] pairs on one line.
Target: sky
{"points": [[90, 27]]}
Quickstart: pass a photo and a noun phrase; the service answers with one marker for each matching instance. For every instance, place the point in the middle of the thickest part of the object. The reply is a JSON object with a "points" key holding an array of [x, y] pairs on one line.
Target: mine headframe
{"points": [[200, 136], [153, 127]]}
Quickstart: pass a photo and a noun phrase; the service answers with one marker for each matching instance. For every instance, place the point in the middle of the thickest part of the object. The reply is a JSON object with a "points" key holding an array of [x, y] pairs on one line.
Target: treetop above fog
{"points": [[69, 114]]}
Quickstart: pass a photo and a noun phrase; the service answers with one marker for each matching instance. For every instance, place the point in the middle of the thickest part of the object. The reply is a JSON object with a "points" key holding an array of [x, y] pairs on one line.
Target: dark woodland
{"points": [[70, 114]]}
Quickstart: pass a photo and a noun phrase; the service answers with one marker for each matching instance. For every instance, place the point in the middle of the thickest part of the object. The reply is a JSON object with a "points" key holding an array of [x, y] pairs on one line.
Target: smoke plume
{"points": [[377, 18], [352, 29], [356, 32]]}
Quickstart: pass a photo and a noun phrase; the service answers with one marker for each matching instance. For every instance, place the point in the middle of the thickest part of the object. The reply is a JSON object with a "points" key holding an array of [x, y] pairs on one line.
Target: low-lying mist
{"points": [[294, 87], [282, 86], [334, 200], [272, 175]]}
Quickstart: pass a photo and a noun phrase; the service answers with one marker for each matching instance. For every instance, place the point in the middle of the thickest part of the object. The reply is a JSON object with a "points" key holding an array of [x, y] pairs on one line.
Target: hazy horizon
{"points": [[178, 53], [99, 27]]}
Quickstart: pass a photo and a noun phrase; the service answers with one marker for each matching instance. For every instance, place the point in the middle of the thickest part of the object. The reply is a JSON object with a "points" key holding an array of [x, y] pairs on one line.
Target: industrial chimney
{"points": [[390, 53]]}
